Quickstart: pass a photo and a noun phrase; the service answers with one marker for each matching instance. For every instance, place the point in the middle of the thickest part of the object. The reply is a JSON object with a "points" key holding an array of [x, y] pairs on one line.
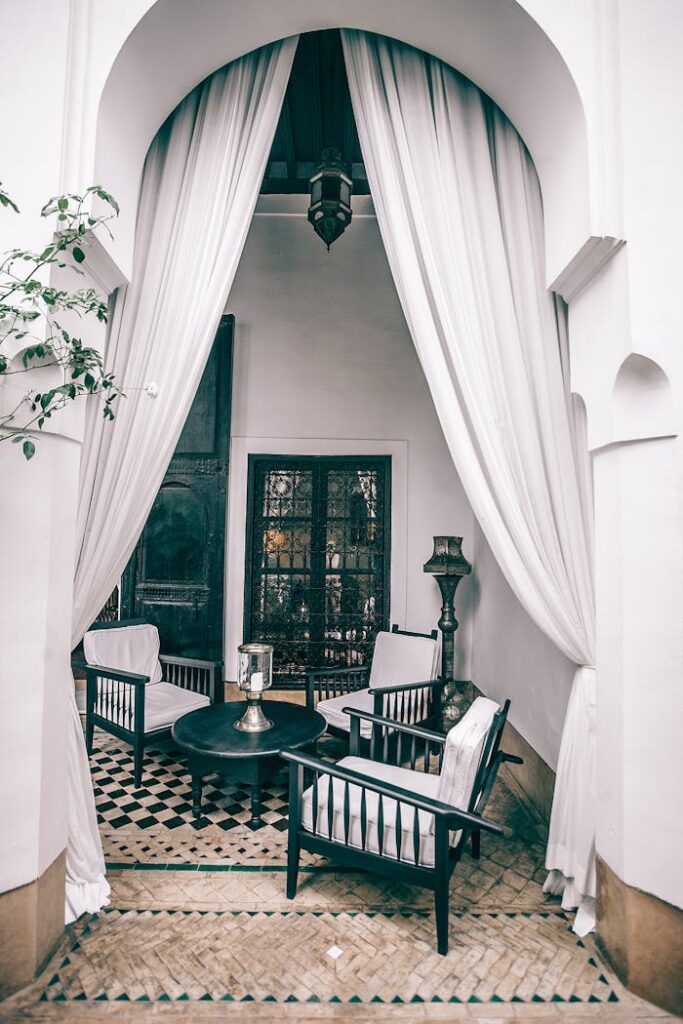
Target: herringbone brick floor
{"points": [[199, 928]]}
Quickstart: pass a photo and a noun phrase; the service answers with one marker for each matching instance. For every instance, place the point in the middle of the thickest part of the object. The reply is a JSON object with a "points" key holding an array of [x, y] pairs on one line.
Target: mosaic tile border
{"points": [[53, 991]]}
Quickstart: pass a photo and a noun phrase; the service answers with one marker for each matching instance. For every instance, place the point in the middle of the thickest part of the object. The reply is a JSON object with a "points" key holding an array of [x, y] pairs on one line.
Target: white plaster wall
{"points": [[322, 352], [512, 658], [37, 499]]}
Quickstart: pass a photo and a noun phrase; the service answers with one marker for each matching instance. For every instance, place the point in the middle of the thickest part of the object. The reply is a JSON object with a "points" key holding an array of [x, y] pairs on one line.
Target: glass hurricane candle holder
{"points": [[255, 674]]}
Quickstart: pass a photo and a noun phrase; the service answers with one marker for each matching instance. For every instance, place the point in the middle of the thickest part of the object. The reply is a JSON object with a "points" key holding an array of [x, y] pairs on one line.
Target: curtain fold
{"points": [[200, 185], [459, 209]]}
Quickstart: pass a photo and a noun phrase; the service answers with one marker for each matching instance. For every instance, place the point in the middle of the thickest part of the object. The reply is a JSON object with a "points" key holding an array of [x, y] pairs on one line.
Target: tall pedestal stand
{"points": [[448, 566]]}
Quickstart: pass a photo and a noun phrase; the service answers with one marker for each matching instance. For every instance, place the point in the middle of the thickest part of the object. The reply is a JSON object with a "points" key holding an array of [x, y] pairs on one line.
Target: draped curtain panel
{"points": [[459, 209], [200, 185]]}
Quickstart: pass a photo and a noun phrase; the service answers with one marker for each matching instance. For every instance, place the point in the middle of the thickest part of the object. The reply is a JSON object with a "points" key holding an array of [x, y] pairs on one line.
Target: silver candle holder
{"points": [[255, 675]]}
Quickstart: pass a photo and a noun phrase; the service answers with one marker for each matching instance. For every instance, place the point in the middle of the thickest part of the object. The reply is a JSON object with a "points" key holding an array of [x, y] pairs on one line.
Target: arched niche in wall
{"points": [[642, 401], [497, 44]]}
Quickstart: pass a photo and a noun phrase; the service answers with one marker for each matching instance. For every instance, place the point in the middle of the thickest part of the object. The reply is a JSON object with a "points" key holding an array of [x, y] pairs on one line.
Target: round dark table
{"points": [[212, 744]]}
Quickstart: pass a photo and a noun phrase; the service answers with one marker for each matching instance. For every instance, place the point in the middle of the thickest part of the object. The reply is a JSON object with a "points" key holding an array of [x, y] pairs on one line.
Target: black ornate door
{"points": [[318, 556], [175, 576]]}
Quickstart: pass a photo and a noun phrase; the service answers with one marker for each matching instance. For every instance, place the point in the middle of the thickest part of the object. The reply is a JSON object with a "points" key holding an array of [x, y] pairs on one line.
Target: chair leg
{"points": [[89, 734], [138, 755], [441, 908], [476, 844], [292, 866]]}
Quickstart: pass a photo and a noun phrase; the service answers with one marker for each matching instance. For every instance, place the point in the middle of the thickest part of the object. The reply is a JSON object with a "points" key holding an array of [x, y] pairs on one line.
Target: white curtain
{"points": [[200, 185], [459, 209]]}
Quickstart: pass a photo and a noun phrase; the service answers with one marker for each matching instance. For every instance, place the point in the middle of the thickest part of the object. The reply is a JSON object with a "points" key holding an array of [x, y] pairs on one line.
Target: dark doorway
{"points": [[317, 559], [175, 577]]}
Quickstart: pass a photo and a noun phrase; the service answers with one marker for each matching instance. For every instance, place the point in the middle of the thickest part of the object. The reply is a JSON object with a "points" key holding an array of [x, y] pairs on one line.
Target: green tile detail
{"points": [[247, 999], [355, 999], [123, 998], [101, 998], [612, 997], [495, 999], [603, 979], [376, 999], [454, 999], [59, 998], [537, 999], [164, 998], [269, 999], [555, 998], [313, 999], [335, 999], [227, 998], [53, 980], [184, 998], [142, 999], [474, 999], [419, 999]]}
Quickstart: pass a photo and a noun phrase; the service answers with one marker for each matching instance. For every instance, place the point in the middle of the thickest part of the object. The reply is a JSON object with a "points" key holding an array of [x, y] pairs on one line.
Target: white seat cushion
{"points": [[399, 660], [128, 648], [416, 782], [164, 703], [332, 710]]}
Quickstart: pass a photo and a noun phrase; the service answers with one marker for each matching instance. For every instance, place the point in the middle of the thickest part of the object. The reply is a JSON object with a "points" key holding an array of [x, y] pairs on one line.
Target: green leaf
{"points": [[29, 450], [62, 203], [78, 254]]}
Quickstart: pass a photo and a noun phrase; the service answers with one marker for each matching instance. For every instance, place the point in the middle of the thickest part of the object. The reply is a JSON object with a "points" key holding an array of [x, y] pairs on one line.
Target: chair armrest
{"points": [[112, 673], [453, 815], [401, 687], [512, 758], [389, 723], [172, 659], [334, 681]]}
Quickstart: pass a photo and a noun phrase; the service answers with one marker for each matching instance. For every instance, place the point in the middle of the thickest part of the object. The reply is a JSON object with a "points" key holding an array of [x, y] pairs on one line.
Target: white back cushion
{"points": [[464, 745], [398, 660], [128, 648]]}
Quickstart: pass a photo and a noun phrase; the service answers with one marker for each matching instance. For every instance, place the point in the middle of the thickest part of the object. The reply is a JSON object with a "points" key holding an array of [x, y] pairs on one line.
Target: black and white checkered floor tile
{"points": [[164, 799]]}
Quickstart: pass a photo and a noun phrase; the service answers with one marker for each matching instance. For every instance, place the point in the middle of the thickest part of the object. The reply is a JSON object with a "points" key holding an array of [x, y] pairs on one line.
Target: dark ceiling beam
{"points": [[349, 135], [288, 138], [314, 93]]}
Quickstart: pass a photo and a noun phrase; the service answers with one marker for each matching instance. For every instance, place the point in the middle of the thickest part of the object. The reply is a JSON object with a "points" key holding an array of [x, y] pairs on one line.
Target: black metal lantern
{"points": [[330, 208]]}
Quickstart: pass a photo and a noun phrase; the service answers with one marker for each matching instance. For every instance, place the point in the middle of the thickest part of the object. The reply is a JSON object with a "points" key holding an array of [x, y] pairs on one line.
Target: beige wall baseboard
{"points": [[534, 780], [31, 926], [641, 937]]}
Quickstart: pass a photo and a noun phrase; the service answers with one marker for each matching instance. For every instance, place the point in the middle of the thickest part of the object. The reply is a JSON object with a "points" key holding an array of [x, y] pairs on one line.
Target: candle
{"points": [[256, 683]]}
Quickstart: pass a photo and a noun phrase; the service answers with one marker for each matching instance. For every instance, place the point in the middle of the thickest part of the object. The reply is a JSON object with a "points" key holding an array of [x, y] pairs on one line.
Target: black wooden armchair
{"points": [[137, 694], [400, 683], [392, 818]]}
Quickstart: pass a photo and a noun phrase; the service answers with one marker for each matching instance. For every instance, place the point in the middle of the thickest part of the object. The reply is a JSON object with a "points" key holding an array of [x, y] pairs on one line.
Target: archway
{"points": [[499, 46]]}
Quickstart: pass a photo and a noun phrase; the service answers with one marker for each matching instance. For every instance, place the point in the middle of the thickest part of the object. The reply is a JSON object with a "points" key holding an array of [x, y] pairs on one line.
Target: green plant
{"points": [[32, 334]]}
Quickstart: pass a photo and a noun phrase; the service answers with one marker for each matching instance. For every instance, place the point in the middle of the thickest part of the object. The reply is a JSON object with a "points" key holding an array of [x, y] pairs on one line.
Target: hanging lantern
{"points": [[330, 208]]}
